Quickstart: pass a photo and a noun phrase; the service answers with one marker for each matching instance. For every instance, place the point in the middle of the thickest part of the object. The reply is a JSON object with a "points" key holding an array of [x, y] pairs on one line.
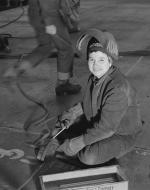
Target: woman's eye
{"points": [[91, 59], [101, 59]]}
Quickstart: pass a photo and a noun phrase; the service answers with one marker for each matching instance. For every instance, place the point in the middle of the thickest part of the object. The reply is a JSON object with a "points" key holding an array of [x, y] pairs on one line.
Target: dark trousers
{"points": [[102, 151], [61, 40]]}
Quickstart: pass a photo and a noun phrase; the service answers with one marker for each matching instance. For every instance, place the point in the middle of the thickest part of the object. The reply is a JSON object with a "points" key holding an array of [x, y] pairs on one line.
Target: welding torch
{"points": [[43, 149]]}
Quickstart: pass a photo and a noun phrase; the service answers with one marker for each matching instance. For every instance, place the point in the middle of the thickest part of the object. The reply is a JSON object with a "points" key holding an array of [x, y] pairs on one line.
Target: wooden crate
{"points": [[101, 178]]}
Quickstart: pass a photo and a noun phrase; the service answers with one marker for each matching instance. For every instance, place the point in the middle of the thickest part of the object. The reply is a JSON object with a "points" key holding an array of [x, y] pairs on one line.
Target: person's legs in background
{"points": [[63, 44], [61, 41], [45, 45]]}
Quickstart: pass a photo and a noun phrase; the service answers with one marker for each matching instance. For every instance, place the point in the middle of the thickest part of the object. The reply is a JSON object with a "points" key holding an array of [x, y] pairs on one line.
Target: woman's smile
{"points": [[98, 63]]}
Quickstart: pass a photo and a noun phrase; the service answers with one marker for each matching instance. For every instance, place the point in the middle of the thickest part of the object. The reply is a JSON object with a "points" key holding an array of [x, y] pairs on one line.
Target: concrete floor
{"points": [[129, 21]]}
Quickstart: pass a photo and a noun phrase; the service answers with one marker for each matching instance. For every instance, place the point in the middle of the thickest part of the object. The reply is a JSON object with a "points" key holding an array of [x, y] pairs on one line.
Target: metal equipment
{"points": [[43, 143], [100, 178]]}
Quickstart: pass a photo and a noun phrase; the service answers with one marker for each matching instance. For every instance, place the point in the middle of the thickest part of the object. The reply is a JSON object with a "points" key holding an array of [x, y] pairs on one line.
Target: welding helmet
{"points": [[96, 36]]}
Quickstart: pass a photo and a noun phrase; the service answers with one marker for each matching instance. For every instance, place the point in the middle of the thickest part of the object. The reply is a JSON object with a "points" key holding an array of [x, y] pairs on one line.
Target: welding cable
{"points": [[31, 177], [16, 19], [29, 121], [51, 164]]}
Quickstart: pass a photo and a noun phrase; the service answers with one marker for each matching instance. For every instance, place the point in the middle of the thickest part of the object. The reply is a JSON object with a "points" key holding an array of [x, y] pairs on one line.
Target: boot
{"points": [[67, 88]]}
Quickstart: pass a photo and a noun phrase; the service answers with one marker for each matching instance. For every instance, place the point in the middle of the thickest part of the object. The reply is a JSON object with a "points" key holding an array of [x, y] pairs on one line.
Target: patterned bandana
{"points": [[96, 47]]}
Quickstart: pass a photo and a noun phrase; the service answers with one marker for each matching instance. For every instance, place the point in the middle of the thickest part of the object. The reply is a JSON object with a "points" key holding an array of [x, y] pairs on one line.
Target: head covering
{"points": [[94, 39], [94, 45]]}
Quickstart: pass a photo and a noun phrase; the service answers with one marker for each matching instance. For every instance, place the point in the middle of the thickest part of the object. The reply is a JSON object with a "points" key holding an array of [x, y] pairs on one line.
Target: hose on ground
{"points": [[29, 121]]}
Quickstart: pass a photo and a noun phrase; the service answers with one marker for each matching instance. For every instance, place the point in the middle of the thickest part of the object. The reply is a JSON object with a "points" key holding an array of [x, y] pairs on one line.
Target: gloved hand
{"points": [[67, 118], [72, 147], [52, 146], [47, 149], [58, 127]]}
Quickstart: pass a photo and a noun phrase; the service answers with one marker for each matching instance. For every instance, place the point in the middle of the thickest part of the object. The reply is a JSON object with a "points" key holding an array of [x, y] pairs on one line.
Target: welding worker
{"points": [[106, 124], [51, 32]]}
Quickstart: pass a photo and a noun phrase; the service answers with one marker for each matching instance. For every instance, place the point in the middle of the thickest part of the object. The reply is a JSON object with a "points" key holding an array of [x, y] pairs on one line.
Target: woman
{"points": [[110, 120]]}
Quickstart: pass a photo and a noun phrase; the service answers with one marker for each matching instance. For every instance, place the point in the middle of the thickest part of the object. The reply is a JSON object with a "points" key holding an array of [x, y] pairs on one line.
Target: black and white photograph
{"points": [[74, 94]]}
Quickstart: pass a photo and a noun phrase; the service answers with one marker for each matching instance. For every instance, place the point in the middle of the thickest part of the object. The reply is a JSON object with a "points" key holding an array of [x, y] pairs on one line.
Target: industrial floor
{"points": [[129, 21]]}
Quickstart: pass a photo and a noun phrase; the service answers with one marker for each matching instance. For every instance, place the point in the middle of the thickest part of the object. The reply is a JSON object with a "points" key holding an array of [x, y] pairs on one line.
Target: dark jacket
{"points": [[110, 105]]}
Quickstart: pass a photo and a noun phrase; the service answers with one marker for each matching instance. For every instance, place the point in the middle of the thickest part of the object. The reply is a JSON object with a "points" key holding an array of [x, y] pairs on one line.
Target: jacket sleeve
{"points": [[108, 117]]}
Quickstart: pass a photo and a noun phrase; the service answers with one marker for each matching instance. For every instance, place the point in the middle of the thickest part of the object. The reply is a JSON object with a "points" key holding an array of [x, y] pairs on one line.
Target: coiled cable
{"points": [[29, 121], [16, 19]]}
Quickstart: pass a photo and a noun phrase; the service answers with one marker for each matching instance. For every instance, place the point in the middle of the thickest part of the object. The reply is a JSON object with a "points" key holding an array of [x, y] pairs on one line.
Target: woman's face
{"points": [[98, 63]]}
